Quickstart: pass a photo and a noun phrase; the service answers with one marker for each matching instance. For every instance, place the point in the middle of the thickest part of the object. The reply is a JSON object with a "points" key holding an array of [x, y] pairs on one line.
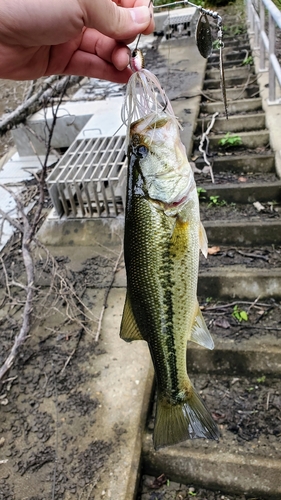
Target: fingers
{"points": [[91, 54], [120, 22], [106, 48], [84, 63]]}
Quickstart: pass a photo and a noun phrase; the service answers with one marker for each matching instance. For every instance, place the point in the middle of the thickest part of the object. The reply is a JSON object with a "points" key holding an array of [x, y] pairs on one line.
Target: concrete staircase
{"points": [[250, 240]]}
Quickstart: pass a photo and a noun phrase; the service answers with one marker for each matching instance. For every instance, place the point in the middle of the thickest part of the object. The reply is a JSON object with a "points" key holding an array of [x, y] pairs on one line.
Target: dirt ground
{"points": [[33, 442]]}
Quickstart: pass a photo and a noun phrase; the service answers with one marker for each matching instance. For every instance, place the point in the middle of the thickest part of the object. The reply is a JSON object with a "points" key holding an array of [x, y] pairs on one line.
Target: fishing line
{"points": [[139, 37]]}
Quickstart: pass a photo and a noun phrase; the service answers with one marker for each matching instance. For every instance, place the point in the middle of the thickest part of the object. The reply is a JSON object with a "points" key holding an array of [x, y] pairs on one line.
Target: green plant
{"points": [[200, 192], [239, 314], [230, 140], [248, 61], [216, 44], [216, 202], [261, 380]]}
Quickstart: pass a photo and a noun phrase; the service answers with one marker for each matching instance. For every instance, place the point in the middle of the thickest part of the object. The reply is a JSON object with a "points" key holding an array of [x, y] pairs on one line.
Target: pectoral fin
{"points": [[129, 330], [203, 240], [200, 333]]}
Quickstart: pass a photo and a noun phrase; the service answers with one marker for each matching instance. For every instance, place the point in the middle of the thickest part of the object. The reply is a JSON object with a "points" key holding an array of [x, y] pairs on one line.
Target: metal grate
{"points": [[180, 22], [90, 179]]}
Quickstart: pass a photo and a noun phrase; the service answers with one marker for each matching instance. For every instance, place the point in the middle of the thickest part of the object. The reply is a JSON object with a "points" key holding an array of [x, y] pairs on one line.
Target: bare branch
{"points": [[51, 86], [28, 229]]}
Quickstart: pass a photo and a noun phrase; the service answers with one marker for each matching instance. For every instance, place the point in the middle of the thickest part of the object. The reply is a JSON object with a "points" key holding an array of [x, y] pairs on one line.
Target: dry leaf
{"points": [[258, 206], [242, 179], [158, 482], [213, 250], [222, 323]]}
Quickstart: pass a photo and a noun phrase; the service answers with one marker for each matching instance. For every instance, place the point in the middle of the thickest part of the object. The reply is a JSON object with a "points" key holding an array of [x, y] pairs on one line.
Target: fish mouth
{"points": [[150, 122]]}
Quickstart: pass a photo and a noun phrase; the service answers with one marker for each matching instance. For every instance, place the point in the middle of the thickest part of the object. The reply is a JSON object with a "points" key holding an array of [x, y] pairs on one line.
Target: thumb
{"points": [[114, 21]]}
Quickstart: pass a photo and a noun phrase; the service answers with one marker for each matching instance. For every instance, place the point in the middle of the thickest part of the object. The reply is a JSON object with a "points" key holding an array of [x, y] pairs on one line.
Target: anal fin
{"points": [[203, 240], [129, 330], [199, 332]]}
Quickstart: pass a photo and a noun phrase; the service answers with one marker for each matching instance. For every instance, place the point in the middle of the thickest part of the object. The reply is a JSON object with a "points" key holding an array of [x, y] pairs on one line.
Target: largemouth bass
{"points": [[163, 235]]}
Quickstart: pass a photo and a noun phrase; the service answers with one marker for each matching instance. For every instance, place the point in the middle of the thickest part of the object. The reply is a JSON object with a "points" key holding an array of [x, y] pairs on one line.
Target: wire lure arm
{"points": [[204, 37], [209, 12]]}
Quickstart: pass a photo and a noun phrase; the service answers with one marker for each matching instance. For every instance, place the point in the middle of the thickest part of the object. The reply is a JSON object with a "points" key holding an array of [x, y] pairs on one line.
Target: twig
{"points": [[254, 303], [255, 327], [204, 139], [30, 90], [57, 436], [29, 268], [38, 212], [253, 255], [28, 230], [12, 221], [232, 304], [73, 351], [6, 277]]}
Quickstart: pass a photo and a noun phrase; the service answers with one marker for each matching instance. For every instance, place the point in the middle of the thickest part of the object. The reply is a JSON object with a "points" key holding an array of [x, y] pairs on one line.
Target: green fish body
{"points": [[163, 235]]}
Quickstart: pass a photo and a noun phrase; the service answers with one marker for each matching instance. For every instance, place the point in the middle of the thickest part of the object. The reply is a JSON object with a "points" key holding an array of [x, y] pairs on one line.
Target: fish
{"points": [[162, 237]]}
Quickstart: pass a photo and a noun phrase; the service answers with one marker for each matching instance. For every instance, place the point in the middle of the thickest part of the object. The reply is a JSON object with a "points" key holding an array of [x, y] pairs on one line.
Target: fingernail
{"points": [[140, 15]]}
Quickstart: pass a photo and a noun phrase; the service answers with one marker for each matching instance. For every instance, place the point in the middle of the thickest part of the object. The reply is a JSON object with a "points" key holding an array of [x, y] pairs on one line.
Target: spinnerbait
{"points": [[203, 37], [137, 60]]}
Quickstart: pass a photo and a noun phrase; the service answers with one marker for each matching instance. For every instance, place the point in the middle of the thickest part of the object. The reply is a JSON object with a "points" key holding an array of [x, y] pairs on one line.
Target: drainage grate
{"points": [[90, 179], [180, 22]]}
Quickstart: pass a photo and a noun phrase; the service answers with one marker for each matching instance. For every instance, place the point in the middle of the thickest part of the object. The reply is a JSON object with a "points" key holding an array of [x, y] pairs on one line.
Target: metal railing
{"points": [[264, 17]]}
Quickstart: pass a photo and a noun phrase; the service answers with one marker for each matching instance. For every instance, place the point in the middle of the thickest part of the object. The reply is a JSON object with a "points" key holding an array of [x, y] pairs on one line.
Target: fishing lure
{"points": [[204, 42], [137, 60], [203, 36]]}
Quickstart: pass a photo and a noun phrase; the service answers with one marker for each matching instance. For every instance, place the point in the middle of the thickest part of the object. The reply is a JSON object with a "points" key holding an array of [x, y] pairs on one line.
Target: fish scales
{"points": [[163, 235]]}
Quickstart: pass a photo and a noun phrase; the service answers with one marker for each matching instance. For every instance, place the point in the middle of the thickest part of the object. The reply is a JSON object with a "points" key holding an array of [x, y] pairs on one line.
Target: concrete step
{"points": [[227, 63], [251, 139], [233, 466], [235, 123], [238, 282], [243, 92], [243, 232], [244, 192], [237, 106], [230, 54], [264, 163], [236, 43], [230, 81], [243, 357], [243, 71], [213, 466]]}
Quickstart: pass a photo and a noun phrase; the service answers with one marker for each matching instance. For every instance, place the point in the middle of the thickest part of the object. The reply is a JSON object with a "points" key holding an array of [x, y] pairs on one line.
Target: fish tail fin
{"points": [[187, 420]]}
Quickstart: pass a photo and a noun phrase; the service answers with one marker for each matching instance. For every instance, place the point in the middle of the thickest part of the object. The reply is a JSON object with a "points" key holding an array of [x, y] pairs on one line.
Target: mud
{"points": [[162, 488], [41, 453]]}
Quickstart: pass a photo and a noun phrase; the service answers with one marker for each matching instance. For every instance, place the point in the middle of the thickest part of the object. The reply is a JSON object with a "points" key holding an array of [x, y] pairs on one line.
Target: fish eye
{"points": [[141, 151]]}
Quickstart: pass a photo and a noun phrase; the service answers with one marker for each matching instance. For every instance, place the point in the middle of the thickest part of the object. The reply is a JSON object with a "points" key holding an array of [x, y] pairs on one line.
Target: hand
{"points": [[70, 37]]}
